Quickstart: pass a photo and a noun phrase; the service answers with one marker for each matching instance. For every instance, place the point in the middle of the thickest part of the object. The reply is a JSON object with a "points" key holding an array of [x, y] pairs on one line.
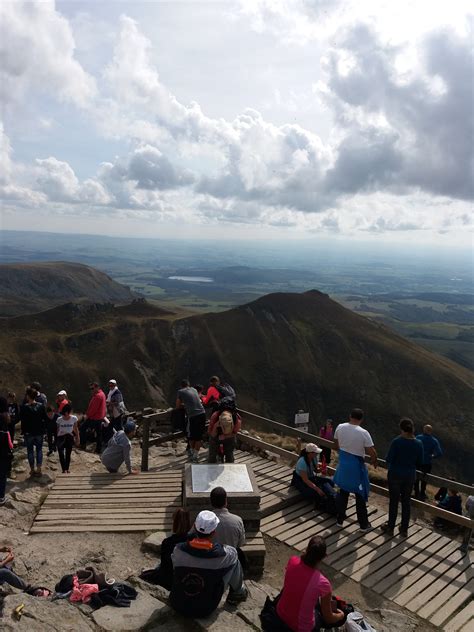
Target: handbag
{"points": [[269, 618]]}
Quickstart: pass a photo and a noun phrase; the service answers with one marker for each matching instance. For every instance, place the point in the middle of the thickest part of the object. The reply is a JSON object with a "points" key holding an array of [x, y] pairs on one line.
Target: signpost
{"points": [[302, 421]]}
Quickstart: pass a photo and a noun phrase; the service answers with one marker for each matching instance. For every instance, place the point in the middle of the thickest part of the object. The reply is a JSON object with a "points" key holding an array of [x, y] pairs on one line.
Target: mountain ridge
{"points": [[27, 288], [283, 352]]}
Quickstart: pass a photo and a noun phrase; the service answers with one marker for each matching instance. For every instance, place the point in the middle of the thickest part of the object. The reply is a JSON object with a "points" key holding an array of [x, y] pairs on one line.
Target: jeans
{"points": [[51, 433], [426, 468], [361, 508], [8, 577], [91, 424], [229, 446], [234, 578], [325, 484], [400, 490], [65, 443], [117, 423], [3, 479], [34, 443]]}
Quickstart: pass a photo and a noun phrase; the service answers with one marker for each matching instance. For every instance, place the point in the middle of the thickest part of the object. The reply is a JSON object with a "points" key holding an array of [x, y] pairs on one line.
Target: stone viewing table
{"points": [[237, 479], [243, 499]]}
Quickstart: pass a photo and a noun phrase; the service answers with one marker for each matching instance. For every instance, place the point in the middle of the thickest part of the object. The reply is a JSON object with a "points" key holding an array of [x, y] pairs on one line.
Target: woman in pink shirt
{"points": [[305, 589]]}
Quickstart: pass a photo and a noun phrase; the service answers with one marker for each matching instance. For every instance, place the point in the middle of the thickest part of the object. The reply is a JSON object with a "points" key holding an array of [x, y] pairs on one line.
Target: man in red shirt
{"points": [[212, 396], [95, 414]]}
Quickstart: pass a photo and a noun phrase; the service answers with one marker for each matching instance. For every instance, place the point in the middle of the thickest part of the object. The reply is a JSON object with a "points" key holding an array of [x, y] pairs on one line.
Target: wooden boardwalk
{"points": [[425, 573], [110, 502]]}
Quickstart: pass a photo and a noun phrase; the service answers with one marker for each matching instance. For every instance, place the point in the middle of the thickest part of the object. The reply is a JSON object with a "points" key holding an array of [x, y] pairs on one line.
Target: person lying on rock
{"points": [[119, 449], [7, 576]]}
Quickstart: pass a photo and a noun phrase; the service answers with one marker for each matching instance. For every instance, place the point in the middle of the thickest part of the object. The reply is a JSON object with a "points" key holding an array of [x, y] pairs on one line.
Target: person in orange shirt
{"points": [[95, 415]]}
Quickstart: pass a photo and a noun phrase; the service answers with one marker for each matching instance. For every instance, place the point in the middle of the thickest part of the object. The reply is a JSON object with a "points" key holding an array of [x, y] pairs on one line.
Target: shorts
{"points": [[197, 426]]}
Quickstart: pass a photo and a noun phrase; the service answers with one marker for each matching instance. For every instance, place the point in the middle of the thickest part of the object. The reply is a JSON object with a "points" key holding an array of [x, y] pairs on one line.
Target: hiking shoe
{"points": [[3, 500], [233, 598], [403, 533], [367, 527], [340, 523], [387, 529]]}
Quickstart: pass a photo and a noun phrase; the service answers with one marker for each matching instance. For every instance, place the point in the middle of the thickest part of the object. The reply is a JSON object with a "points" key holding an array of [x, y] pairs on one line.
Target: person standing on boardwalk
{"points": [[404, 457], [34, 421], [51, 429], [95, 414], [327, 432], [115, 405], [188, 398], [67, 436], [353, 443], [431, 450]]}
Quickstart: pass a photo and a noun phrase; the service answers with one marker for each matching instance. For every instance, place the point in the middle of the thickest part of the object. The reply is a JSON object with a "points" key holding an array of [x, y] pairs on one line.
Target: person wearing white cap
{"points": [[115, 405], [61, 401], [202, 570], [319, 489]]}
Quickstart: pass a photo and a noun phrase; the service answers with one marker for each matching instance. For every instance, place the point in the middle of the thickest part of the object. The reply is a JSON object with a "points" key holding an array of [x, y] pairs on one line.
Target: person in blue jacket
{"points": [[431, 450], [404, 457]]}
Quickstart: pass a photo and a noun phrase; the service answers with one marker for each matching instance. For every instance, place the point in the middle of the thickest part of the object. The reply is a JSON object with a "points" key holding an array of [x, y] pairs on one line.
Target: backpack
{"points": [[226, 393], [226, 422], [356, 623]]}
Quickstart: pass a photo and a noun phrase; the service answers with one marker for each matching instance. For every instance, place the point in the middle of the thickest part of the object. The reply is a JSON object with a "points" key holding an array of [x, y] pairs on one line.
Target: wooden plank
{"points": [[370, 553], [458, 574], [94, 528], [345, 542], [461, 620], [280, 513], [321, 523], [423, 585], [417, 572], [124, 509], [424, 558], [444, 594], [455, 602]]}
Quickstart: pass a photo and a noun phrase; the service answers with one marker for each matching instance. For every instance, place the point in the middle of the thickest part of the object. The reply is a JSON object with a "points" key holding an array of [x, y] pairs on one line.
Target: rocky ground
{"points": [[42, 559]]}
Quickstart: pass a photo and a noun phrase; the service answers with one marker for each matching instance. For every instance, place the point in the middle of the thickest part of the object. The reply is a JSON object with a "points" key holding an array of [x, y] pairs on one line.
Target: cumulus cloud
{"points": [[37, 52], [402, 132], [398, 131]]}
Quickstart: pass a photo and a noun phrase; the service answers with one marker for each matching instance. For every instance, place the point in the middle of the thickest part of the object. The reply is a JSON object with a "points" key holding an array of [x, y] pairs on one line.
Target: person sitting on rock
{"points": [[119, 449], [163, 573], [451, 501], [305, 601], [319, 489], [223, 428], [230, 529], [202, 570]]}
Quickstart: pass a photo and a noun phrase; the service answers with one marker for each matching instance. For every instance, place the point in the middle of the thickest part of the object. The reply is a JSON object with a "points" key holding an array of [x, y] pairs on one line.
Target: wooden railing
{"points": [[146, 420]]}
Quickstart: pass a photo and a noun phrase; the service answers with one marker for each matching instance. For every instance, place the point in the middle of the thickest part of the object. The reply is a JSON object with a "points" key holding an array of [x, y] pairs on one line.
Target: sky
{"points": [[247, 119]]}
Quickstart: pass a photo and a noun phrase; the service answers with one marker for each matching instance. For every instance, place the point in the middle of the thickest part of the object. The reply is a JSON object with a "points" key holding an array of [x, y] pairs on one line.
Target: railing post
{"points": [[145, 444], [466, 540]]}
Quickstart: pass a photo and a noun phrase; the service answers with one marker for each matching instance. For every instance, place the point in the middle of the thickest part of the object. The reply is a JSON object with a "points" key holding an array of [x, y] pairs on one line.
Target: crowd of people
{"points": [[203, 558]]}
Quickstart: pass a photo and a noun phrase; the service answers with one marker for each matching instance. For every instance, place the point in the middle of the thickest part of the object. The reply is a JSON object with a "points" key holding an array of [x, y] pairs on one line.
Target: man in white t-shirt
{"points": [[353, 443]]}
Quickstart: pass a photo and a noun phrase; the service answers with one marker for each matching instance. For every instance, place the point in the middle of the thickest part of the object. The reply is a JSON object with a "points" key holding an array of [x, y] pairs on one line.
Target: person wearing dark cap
{"points": [[202, 570], [119, 449]]}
